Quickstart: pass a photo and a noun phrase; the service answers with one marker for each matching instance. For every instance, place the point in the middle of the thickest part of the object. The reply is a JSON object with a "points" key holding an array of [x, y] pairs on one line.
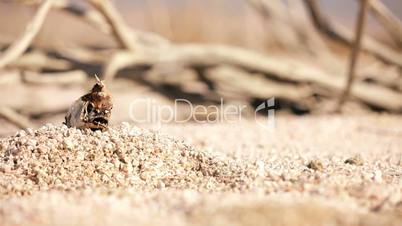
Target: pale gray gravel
{"points": [[232, 173]]}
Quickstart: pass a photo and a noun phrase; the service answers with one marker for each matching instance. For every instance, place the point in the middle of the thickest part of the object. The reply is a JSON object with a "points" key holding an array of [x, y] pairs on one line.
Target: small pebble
{"points": [[356, 160], [315, 165]]}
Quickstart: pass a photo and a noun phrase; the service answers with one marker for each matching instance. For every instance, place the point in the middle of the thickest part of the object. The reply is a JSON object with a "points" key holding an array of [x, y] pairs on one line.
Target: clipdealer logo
{"points": [[267, 107], [149, 111]]}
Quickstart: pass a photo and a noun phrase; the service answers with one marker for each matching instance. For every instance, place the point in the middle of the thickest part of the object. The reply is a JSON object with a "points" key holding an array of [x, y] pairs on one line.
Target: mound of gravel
{"points": [[333, 170], [348, 163], [61, 158]]}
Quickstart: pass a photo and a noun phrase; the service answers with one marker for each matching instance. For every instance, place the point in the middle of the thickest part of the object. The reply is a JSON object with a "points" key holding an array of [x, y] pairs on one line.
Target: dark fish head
{"points": [[98, 107]]}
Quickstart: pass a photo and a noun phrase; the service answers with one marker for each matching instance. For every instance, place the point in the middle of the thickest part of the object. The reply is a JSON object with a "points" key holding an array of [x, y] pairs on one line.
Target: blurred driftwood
{"points": [[92, 17], [219, 70], [390, 22], [38, 60], [342, 35], [19, 46], [256, 86], [390, 76], [83, 55], [361, 23], [295, 30], [14, 118], [10, 76], [274, 12], [197, 55], [98, 20], [119, 28], [58, 78]]}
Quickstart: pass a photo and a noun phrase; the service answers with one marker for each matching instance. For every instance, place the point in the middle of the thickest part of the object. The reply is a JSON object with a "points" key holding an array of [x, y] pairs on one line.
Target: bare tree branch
{"points": [[91, 16], [59, 78], [120, 29], [388, 20], [10, 77], [274, 13], [197, 55], [294, 29], [13, 117], [149, 51], [97, 20], [19, 46], [256, 86], [342, 35], [38, 60], [355, 52]]}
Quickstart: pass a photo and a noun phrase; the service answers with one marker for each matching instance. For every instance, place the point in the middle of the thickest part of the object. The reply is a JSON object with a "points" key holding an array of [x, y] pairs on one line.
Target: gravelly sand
{"points": [[237, 174]]}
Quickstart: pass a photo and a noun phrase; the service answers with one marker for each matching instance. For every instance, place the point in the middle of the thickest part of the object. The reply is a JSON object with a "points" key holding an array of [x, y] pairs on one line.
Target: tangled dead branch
{"points": [[342, 35], [293, 27], [355, 52], [90, 16], [388, 20], [19, 46], [119, 28], [13, 117], [97, 20], [196, 56], [225, 70], [37, 60], [60, 78]]}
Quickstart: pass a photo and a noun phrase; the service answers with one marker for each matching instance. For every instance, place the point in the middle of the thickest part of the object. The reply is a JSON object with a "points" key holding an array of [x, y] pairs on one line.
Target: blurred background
{"points": [[240, 51]]}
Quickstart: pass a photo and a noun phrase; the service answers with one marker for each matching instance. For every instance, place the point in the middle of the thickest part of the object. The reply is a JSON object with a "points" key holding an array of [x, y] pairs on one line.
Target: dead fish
{"points": [[91, 111]]}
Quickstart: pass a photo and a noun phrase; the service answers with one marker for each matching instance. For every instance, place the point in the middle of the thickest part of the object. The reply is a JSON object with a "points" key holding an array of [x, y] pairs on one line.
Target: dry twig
{"points": [[204, 56], [343, 36], [274, 12], [355, 52], [19, 46], [388, 20], [38, 61], [59, 78], [10, 76], [92, 17], [152, 51], [95, 18], [120, 29], [295, 29], [13, 117], [255, 86], [83, 55]]}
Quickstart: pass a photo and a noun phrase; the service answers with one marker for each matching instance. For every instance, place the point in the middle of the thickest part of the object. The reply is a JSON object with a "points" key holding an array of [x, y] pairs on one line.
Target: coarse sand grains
{"points": [[222, 174], [61, 158]]}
